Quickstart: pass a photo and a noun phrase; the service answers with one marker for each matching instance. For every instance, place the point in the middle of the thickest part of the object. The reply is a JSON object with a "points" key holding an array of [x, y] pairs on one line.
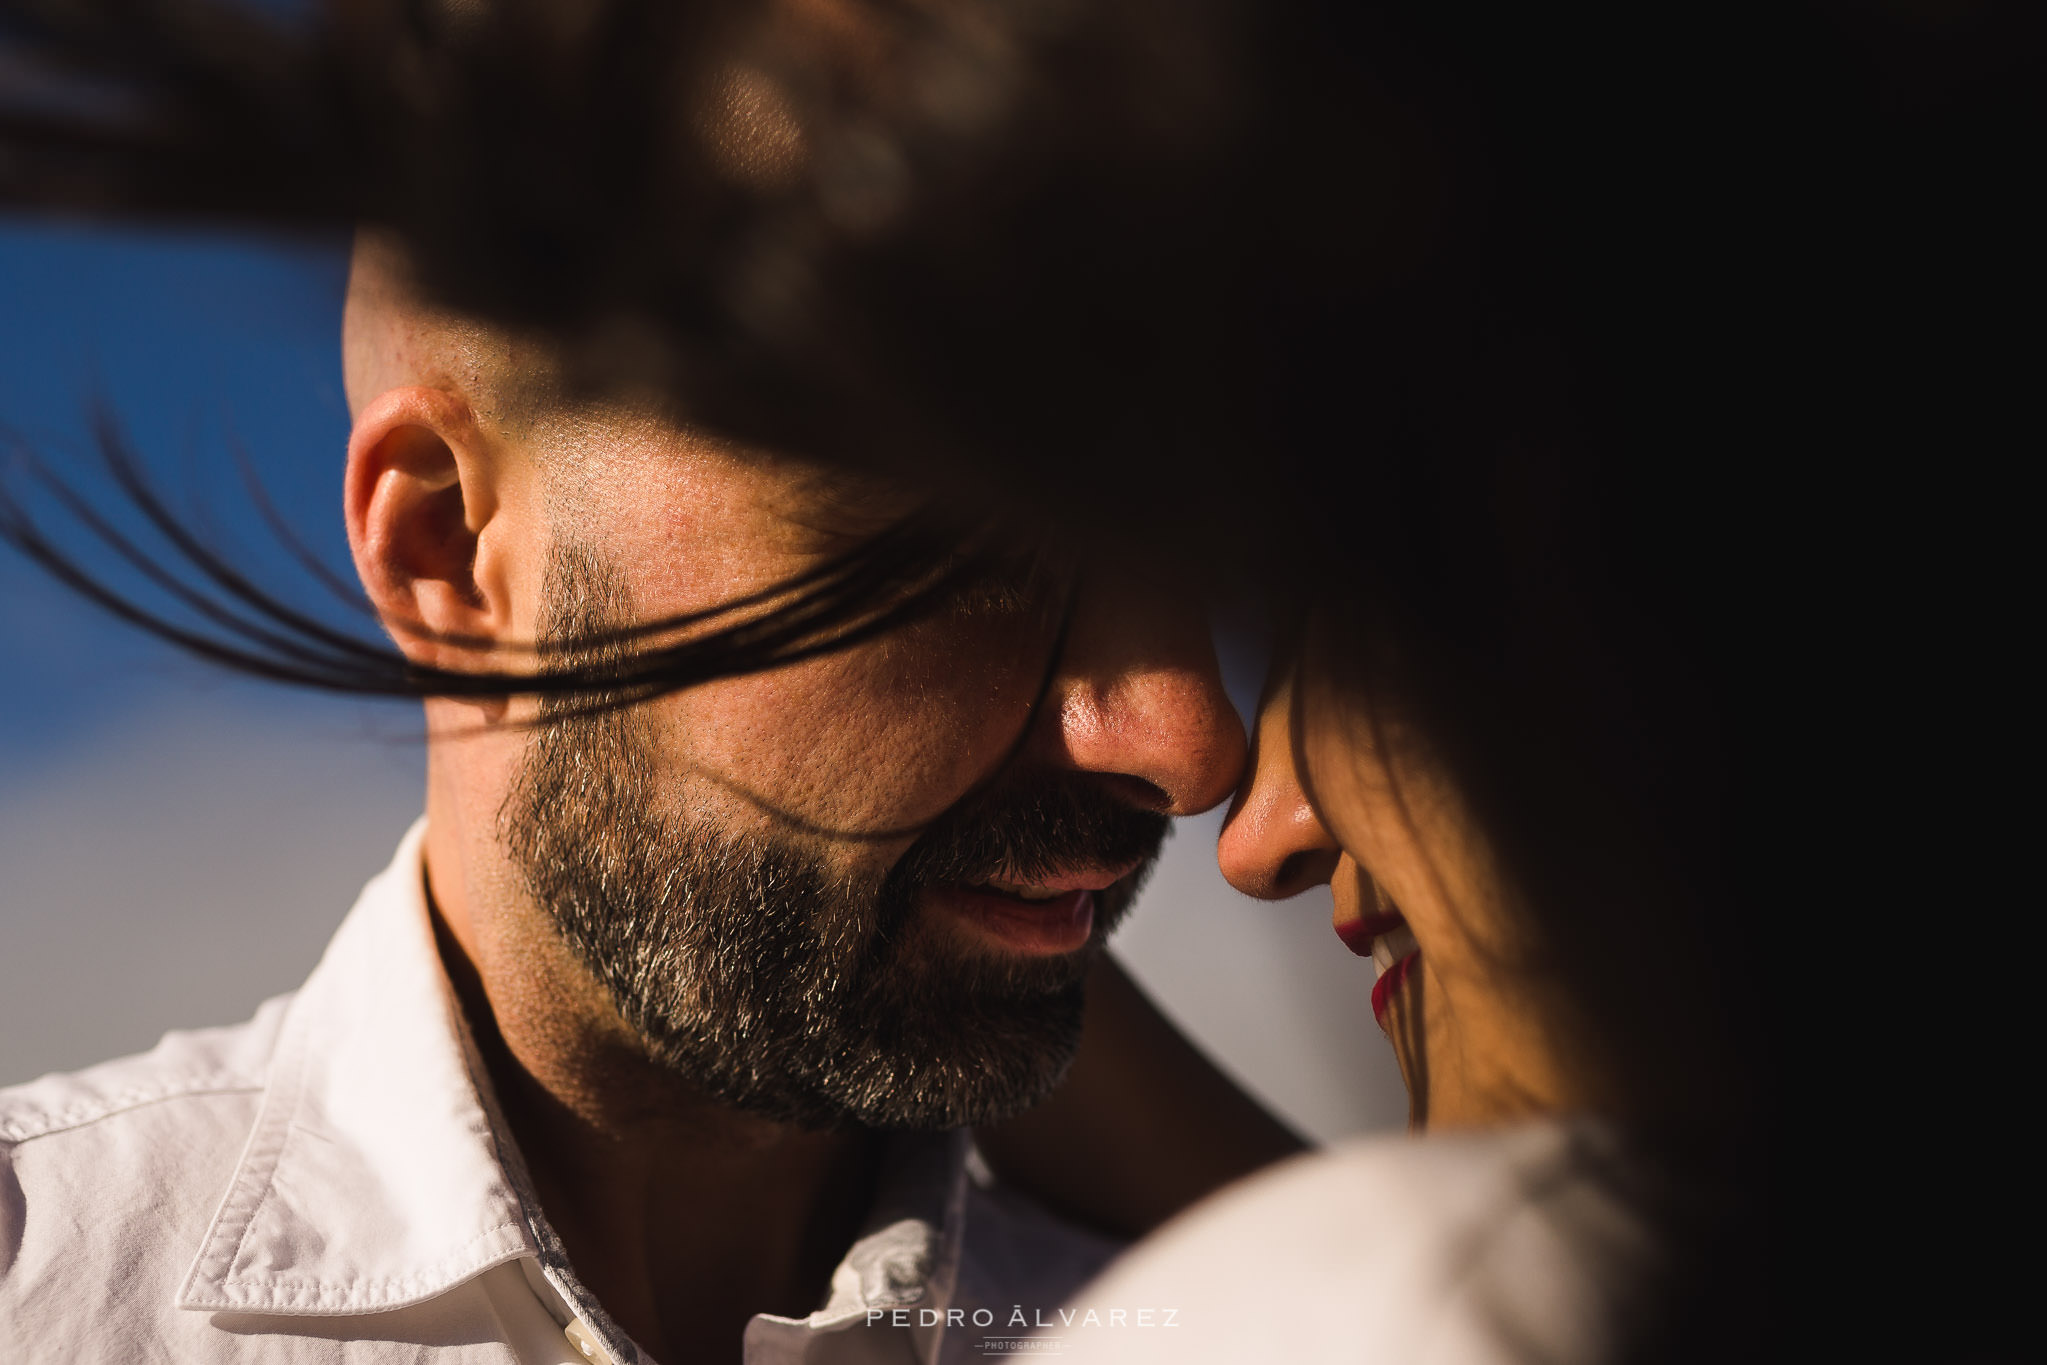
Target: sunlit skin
{"points": [[1339, 792], [453, 500]]}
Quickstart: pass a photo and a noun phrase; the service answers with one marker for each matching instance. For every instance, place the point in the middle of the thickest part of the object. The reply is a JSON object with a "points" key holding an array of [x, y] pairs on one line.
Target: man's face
{"points": [[819, 892]]}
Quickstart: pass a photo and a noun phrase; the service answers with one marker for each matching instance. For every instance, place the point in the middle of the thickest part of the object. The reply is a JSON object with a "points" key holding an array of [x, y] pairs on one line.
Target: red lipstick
{"points": [[1357, 934], [1390, 981]]}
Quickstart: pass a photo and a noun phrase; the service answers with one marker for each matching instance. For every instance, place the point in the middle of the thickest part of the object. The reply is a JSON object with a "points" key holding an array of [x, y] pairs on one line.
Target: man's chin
{"points": [[933, 1073], [931, 1070], [938, 1031]]}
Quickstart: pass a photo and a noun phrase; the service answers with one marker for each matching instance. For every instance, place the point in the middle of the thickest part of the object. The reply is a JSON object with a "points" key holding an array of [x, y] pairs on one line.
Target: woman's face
{"points": [[1344, 792]]}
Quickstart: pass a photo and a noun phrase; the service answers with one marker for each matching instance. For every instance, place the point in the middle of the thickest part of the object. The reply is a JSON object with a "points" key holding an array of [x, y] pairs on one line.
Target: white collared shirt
{"points": [[330, 1182], [1505, 1246]]}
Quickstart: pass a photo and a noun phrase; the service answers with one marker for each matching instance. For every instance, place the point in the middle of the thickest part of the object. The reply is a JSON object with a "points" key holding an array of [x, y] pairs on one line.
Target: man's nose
{"points": [[1139, 700], [1274, 845]]}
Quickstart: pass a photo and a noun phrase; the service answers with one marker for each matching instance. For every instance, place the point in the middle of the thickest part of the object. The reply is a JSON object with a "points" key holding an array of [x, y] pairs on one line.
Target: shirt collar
{"points": [[370, 1180], [377, 1177]]}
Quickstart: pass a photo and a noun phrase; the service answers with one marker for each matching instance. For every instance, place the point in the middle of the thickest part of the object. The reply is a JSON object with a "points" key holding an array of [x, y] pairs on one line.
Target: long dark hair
{"points": [[1488, 330], [227, 615], [575, 177]]}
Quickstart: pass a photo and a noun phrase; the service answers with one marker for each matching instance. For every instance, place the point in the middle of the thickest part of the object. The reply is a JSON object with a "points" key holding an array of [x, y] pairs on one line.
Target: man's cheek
{"points": [[844, 745]]}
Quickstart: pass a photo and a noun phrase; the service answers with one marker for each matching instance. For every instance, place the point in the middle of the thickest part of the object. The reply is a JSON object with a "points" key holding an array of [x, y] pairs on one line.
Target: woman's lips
{"points": [[1357, 934], [1387, 940], [1391, 978], [1393, 947]]}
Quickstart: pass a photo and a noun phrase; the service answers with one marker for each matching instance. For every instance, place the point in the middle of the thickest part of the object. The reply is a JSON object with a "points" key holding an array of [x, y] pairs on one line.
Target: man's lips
{"points": [[1042, 888], [1043, 917]]}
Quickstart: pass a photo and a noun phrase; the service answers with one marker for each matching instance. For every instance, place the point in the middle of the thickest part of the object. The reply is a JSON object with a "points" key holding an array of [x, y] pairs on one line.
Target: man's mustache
{"points": [[1032, 826]]}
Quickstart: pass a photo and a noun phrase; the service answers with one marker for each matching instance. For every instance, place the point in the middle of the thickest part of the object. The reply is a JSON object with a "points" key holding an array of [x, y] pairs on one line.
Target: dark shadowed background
{"points": [[177, 844]]}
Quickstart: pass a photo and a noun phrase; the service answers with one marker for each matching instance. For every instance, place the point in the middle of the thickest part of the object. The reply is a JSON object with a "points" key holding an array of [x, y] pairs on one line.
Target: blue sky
{"points": [[188, 339], [176, 844]]}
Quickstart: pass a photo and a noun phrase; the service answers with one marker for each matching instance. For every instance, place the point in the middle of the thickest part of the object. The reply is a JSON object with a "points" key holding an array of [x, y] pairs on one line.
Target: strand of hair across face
{"points": [[888, 581]]}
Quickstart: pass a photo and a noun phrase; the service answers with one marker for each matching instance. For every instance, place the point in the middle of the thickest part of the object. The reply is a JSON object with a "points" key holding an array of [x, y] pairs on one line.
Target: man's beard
{"points": [[749, 966]]}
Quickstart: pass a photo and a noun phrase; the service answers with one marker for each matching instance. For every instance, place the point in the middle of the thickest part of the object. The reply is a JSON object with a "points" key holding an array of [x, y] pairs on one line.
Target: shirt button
{"points": [[585, 1340]]}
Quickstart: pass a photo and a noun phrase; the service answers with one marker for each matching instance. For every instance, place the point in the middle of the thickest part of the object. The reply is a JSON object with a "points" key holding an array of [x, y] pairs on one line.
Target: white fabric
{"points": [[1475, 1249], [330, 1182]]}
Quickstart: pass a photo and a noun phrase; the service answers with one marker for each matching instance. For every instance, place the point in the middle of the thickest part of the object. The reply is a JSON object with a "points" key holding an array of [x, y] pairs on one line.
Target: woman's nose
{"points": [[1274, 845], [1139, 699]]}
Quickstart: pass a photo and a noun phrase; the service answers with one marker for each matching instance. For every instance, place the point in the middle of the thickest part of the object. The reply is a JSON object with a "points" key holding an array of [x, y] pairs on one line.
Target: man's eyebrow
{"points": [[839, 505], [1006, 582], [853, 486]]}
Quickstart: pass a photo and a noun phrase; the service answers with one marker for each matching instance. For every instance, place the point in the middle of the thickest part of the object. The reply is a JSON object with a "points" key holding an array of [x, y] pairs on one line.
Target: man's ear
{"points": [[421, 491]]}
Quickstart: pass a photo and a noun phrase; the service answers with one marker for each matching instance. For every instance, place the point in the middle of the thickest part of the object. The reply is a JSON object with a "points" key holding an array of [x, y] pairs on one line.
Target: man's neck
{"points": [[681, 1215]]}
